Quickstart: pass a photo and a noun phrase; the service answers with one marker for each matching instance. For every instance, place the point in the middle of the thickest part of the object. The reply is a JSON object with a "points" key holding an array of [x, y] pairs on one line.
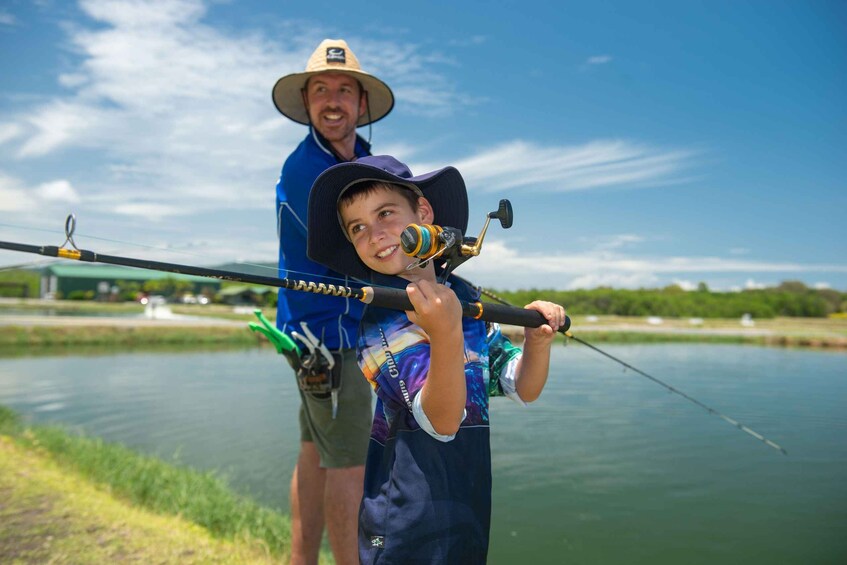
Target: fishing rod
{"points": [[426, 242], [383, 297], [661, 383]]}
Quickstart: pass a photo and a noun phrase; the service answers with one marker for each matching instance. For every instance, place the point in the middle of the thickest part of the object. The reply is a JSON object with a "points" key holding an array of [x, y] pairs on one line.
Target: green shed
{"points": [[103, 280], [240, 295]]}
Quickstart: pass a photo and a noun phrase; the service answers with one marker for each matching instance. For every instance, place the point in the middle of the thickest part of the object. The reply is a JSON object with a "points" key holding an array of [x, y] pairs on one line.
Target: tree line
{"points": [[790, 298]]}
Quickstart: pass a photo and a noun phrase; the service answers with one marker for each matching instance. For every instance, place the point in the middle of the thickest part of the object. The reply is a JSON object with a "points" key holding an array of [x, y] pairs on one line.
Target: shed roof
{"points": [[238, 289], [116, 272]]}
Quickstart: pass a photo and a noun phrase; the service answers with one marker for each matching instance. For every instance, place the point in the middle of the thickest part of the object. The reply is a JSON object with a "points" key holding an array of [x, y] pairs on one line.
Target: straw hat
{"points": [[331, 56], [326, 242]]}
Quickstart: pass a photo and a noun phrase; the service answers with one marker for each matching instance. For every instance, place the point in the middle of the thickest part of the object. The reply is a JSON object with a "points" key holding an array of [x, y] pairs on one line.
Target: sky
{"points": [[641, 144]]}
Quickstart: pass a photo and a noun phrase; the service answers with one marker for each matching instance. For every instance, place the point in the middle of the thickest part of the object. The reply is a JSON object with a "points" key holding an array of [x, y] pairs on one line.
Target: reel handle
{"points": [[504, 214]]}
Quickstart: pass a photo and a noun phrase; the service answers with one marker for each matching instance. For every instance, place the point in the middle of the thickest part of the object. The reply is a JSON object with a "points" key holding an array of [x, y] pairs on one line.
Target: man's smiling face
{"points": [[335, 103]]}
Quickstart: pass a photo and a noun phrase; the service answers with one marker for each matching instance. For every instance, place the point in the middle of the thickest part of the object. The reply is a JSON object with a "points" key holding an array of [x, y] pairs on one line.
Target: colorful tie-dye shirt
{"points": [[427, 497]]}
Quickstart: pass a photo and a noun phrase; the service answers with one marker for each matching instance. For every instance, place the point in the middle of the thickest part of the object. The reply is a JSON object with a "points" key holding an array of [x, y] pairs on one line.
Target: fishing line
{"points": [[123, 245], [31, 264], [381, 296], [174, 250], [661, 383]]}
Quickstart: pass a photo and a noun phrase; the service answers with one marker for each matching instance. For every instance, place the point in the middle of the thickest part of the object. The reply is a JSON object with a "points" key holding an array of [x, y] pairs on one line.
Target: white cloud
{"points": [[750, 284], [599, 266], [821, 285], [162, 115], [403, 151], [424, 101], [13, 196], [599, 60], [164, 105], [150, 211], [152, 13], [598, 164], [613, 242], [9, 132], [54, 126], [685, 285], [72, 80], [418, 86], [614, 280], [58, 190], [16, 196]]}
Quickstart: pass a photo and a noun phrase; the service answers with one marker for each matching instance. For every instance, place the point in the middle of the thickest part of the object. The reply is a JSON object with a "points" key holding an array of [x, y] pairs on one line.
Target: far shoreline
{"points": [[23, 335]]}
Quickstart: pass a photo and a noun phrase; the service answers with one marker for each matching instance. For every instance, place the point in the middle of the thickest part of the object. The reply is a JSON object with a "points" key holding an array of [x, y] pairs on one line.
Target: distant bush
{"points": [[271, 299], [791, 298], [18, 283], [81, 295]]}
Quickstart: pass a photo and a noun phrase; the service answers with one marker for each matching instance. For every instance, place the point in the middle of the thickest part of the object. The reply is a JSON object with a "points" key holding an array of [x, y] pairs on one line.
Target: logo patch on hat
{"points": [[336, 55]]}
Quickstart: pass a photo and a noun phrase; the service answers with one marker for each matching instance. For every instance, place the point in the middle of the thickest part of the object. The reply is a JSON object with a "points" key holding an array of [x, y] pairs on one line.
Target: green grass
{"points": [[80, 307], [221, 312], [99, 336], [149, 483], [39, 339], [613, 337], [51, 514], [89, 307], [645, 337]]}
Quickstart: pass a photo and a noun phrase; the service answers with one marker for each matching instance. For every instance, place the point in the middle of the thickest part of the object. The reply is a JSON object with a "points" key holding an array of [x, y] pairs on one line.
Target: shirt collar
{"points": [[362, 148]]}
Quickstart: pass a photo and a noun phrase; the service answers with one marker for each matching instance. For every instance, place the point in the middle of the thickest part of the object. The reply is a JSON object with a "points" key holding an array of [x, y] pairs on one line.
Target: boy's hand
{"points": [[437, 309], [534, 365], [544, 334]]}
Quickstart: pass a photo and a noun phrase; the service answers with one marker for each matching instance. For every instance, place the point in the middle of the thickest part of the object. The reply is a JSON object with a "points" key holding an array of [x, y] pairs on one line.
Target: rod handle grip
{"points": [[397, 299]]}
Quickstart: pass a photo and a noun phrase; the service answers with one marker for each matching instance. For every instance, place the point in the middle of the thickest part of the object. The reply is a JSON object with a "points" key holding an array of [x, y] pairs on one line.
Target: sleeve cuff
{"points": [[508, 381], [425, 424]]}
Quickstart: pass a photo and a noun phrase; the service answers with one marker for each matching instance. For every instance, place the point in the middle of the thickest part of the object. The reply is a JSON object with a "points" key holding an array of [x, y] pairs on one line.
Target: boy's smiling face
{"points": [[373, 221]]}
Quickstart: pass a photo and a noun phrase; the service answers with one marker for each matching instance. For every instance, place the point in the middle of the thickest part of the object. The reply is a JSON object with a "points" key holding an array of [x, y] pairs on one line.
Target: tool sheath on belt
{"points": [[317, 369]]}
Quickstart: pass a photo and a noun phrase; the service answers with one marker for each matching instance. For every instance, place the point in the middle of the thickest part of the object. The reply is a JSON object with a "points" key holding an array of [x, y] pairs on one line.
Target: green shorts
{"points": [[342, 442]]}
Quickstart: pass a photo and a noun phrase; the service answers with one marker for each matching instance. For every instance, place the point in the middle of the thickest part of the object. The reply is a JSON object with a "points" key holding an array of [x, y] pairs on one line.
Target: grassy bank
{"points": [[625, 337], [80, 500], [105, 329], [92, 308], [828, 333], [59, 340], [45, 337]]}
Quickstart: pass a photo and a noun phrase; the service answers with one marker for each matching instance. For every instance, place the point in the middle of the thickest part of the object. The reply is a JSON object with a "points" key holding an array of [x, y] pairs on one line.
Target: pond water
{"points": [[607, 467]]}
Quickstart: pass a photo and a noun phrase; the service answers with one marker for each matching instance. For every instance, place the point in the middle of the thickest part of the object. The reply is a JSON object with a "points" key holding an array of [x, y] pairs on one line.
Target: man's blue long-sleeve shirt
{"points": [[335, 320]]}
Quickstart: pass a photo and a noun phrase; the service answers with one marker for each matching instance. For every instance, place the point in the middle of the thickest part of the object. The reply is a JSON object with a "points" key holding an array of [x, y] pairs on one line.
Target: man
{"points": [[332, 96]]}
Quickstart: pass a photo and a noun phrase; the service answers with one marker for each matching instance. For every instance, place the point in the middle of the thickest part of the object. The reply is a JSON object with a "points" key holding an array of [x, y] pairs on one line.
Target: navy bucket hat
{"points": [[327, 243]]}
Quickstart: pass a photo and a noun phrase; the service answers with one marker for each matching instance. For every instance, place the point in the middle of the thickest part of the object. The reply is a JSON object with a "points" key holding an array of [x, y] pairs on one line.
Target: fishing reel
{"points": [[428, 242]]}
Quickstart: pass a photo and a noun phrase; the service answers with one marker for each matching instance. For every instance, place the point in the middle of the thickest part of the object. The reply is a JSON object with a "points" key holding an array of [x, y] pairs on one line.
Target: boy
{"points": [[427, 494]]}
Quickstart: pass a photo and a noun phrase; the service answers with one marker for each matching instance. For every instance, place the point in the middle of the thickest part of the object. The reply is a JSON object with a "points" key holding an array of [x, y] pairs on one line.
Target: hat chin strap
{"points": [[370, 122]]}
